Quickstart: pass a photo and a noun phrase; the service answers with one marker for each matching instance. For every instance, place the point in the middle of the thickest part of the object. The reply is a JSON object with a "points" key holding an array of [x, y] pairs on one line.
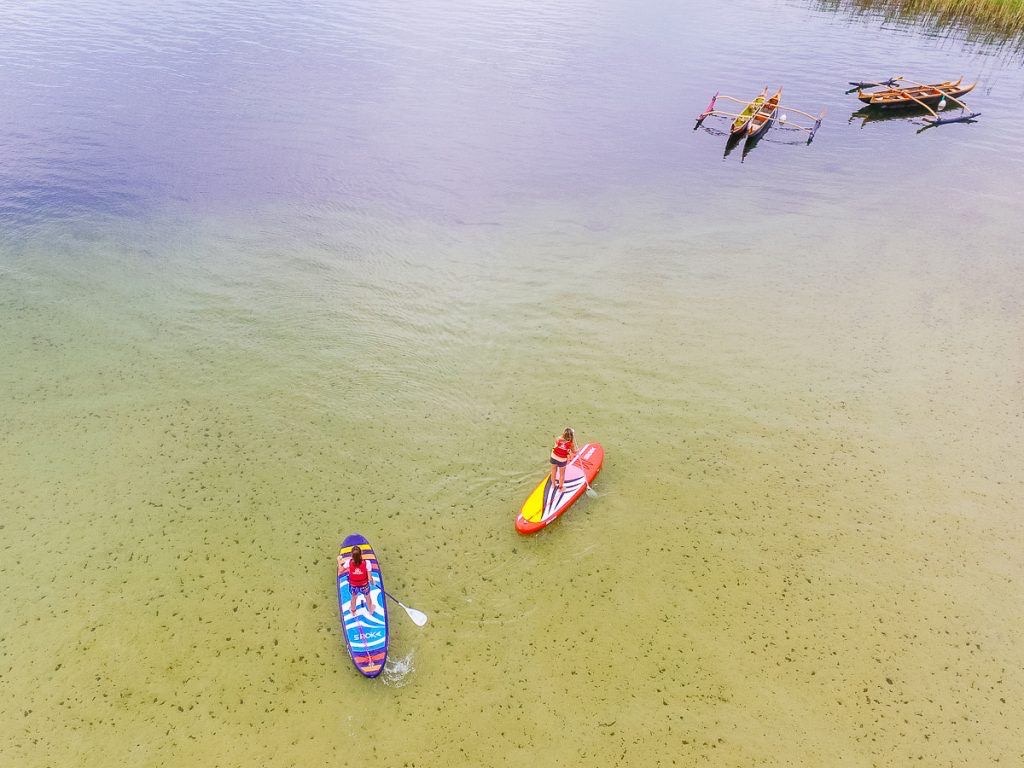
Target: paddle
{"points": [[419, 618], [590, 491]]}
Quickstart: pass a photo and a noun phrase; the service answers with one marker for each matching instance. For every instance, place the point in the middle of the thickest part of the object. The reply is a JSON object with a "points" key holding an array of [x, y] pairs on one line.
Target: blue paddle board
{"points": [[366, 634]]}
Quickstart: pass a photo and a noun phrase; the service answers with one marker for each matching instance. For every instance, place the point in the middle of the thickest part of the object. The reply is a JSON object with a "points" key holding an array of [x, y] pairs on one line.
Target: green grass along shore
{"points": [[1004, 18]]}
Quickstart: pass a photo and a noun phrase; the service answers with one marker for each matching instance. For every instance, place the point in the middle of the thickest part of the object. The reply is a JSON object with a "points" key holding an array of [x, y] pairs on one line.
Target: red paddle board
{"points": [[547, 503]]}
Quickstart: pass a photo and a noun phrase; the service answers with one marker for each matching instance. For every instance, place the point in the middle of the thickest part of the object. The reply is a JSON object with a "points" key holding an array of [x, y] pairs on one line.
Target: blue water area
{"points": [[458, 112]]}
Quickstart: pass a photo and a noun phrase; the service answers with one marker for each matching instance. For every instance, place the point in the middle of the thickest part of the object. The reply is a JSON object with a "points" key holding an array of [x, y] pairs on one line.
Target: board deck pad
{"points": [[547, 503], [366, 634]]}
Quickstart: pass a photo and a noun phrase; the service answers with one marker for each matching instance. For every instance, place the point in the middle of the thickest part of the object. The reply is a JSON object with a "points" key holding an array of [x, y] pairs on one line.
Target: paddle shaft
{"points": [[923, 104], [944, 94], [412, 612]]}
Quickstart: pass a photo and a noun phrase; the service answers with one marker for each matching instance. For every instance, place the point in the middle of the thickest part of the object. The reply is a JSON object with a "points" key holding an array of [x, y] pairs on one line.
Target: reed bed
{"points": [[997, 21]]}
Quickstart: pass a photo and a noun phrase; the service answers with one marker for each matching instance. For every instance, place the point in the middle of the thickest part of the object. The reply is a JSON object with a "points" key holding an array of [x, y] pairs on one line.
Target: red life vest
{"points": [[561, 449], [358, 575]]}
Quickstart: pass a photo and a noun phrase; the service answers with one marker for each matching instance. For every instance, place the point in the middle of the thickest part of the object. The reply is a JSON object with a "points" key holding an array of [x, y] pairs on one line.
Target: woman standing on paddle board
{"points": [[561, 455], [359, 573]]}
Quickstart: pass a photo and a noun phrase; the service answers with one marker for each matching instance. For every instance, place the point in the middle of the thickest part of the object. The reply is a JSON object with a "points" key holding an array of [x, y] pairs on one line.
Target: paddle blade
{"points": [[419, 618], [591, 492]]}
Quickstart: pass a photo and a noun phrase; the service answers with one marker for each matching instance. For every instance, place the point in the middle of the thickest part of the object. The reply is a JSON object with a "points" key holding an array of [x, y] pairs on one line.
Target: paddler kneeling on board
{"points": [[561, 455], [359, 572]]}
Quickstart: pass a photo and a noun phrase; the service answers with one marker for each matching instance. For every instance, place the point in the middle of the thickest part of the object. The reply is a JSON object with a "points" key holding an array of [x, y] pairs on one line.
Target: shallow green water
{"points": [[808, 550]]}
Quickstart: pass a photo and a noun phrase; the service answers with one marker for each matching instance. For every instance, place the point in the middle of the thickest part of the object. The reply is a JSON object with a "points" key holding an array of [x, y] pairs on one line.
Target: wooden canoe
{"points": [[739, 125], [898, 89], [914, 96], [764, 117]]}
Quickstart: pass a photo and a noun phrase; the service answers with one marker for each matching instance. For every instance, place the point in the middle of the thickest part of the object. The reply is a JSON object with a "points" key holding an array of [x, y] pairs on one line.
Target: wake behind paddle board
{"points": [[546, 504], [366, 634]]}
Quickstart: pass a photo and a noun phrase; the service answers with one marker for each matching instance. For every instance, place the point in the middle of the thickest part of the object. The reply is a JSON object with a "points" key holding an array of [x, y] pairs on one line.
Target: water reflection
{"points": [[777, 134], [915, 116], [866, 115]]}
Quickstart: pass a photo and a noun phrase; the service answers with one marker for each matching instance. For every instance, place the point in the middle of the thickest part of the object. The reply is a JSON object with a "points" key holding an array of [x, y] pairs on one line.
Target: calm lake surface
{"points": [[274, 273]]}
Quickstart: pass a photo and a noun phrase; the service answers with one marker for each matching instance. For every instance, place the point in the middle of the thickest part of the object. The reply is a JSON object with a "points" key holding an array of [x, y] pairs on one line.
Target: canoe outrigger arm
{"points": [[710, 109], [965, 116], [884, 83], [810, 131]]}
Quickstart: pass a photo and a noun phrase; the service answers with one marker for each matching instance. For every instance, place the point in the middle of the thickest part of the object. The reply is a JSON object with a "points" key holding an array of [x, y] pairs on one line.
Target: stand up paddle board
{"points": [[546, 504], [366, 634]]}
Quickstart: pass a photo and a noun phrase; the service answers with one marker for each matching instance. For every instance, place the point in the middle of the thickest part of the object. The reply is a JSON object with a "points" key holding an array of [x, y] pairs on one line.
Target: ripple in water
{"points": [[396, 671]]}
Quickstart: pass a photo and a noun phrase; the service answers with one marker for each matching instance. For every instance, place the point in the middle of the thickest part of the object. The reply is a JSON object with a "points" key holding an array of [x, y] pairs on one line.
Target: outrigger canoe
{"points": [[930, 97], [915, 95], [756, 118]]}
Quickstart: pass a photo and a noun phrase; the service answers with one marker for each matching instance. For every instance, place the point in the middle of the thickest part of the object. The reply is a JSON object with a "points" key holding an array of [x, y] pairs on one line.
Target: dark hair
{"points": [[568, 434], [357, 555]]}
